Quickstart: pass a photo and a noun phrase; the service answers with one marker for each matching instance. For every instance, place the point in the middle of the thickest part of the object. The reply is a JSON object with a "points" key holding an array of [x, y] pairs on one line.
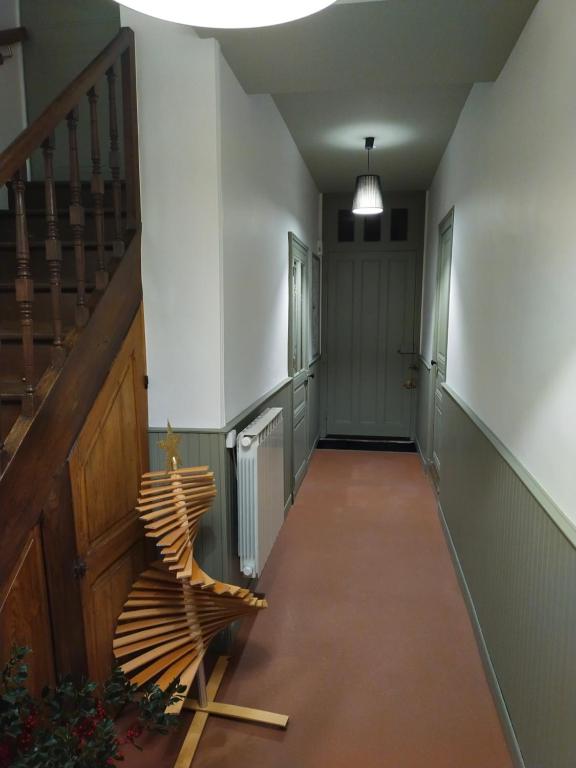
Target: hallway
{"points": [[367, 643]]}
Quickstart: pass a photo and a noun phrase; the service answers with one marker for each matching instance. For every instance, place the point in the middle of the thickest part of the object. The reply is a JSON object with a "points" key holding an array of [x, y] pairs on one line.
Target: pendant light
{"points": [[228, 14], [368, 194]]}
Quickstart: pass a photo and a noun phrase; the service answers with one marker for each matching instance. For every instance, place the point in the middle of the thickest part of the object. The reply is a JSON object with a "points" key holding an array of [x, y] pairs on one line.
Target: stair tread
{"points": [[10, 244], [67, 286], [11, 330], [13, 389], [62, 211]]}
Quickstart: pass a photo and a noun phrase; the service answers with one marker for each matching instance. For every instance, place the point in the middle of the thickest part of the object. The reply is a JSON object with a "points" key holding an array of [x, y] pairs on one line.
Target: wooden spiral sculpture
{"points": [[175, 609]]}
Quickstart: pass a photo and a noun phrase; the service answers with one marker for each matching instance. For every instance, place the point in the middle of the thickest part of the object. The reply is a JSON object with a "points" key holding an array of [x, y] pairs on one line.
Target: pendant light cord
{"points": [[368, 145]]}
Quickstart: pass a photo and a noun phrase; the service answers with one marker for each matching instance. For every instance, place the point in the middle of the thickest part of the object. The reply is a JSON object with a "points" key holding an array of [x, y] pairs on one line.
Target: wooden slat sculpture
{"points": [[175, 609]]}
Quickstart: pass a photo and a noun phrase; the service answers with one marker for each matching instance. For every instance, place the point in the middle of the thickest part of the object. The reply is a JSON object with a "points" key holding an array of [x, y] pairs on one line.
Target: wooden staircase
{"points": [[48, 357], [70, 298]]}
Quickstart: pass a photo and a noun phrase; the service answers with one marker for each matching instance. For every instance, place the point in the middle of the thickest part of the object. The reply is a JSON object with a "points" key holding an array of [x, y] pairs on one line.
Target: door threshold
{"points": [[341, 443]]}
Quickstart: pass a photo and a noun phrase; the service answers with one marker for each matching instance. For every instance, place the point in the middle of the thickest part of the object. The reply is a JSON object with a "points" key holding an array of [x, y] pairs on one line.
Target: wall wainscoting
{"points": [[517, 556], [216, 547]]}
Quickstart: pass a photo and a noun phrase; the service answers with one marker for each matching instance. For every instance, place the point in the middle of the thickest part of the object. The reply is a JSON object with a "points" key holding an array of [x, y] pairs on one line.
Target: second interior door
{"points": [[370, 336]]}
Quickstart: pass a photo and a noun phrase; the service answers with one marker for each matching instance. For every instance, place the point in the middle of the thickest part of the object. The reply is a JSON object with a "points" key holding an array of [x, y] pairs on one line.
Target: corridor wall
{"points": [[507, 480]]}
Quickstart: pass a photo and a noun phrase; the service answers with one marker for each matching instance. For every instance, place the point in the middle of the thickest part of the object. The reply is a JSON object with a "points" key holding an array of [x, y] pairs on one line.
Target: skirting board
{"points": [[484, 653]]}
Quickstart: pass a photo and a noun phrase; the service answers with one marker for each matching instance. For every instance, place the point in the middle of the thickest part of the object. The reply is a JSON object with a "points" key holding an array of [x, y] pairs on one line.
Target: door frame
{"points": [[300, 377], [407, 346], [295, 243], [445, 224]]}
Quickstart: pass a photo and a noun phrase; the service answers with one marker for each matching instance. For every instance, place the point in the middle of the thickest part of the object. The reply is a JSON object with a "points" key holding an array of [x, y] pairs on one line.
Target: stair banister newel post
{"points": [[24, 290], [53, 249], [97, 189], [77, 219], [114, 164]]}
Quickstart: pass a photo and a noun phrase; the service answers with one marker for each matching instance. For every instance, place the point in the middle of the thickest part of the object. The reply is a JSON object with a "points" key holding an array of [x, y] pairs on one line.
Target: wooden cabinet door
{"points": [[24, 618], [105, 469]]}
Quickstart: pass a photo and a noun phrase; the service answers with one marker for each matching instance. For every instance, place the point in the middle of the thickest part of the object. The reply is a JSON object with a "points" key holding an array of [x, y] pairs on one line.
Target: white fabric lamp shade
{"points": [[368, 195], [228, 14]]}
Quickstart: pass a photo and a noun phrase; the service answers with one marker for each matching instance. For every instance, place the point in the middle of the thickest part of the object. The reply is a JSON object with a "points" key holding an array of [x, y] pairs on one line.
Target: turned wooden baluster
{"points": [[53, 249], [114, 163], [24, 291], [77, 220], [97, 189]]}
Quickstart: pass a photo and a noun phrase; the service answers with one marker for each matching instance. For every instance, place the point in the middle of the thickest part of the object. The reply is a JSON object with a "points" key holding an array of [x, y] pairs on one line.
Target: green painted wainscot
{"points": [[216, 547], [516, 556]]}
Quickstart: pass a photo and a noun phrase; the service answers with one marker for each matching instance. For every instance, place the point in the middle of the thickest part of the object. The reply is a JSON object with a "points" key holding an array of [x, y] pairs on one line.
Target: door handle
{"points": [[433, 362], [311, 375]]}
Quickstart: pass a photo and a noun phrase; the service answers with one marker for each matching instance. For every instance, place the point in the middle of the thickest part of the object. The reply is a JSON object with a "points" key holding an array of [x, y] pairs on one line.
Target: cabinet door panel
{"points": [[105, 468], [24, 618]]}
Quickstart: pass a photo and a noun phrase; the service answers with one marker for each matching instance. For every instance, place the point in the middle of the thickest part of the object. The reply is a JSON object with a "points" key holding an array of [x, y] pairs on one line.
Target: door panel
{"points": [[300, 441], [370, 320], [341, 379], [24, 618], [441, 347], [105, 599], [369, 349], [105, 468]]}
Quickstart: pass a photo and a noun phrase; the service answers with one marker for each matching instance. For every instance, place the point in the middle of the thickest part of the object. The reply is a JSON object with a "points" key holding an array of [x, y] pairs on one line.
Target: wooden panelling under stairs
{"points": [[109, 457], [72, 374], [24, 616]]}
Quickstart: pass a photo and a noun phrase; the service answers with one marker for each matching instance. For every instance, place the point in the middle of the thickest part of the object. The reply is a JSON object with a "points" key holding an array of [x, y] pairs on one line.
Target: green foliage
{"points": [[118, 690], [153, 706], [70, 726]]}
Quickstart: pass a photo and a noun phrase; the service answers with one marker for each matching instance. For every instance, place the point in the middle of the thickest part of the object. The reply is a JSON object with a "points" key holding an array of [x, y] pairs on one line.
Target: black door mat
{"points": [[337, 443]]}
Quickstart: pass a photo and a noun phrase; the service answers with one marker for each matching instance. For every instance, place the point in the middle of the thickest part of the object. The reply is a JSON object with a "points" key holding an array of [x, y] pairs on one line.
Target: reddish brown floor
{"points": [[367, 644]]}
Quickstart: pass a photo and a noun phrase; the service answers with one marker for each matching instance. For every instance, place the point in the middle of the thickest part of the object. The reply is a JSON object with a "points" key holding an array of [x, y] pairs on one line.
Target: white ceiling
{"points": [[399, 70]]}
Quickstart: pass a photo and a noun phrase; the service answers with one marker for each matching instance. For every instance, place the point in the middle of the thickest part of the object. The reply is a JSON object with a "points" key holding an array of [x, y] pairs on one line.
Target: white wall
{"points": [[12, 93], [267, 192], [178, 120], [510, 172], [222, 184]]}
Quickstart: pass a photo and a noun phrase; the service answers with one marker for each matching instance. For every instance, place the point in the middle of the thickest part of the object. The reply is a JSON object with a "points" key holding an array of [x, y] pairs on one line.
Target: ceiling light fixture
{"points": [[228, 14], [368, 194]]}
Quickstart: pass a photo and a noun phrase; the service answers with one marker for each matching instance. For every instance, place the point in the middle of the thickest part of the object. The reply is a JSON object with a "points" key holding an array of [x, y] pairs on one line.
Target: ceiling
{"points": [[398, 70]]}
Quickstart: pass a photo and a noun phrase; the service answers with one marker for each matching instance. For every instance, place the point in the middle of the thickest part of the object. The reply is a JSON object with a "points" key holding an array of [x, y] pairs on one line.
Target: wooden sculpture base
{"points": [[204, 709]]}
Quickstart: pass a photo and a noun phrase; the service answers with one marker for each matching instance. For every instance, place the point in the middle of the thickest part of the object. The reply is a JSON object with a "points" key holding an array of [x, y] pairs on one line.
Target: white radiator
{"points": [[260, 452]]}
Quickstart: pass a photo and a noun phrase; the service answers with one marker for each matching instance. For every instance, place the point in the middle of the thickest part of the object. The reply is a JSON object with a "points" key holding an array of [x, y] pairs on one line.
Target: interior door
{"points": [[370, 336], [440, 361], [105, 469], [298, 355]]}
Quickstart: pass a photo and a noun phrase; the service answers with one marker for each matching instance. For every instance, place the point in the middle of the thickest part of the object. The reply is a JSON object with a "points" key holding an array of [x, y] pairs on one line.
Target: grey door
{"points": [[440, 361], [298, 355], [370, 330]]}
